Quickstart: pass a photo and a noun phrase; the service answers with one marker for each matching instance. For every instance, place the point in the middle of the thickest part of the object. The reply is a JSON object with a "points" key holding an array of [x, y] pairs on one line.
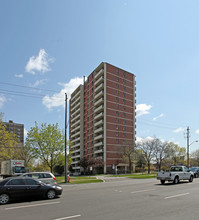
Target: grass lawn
{"points": [[138, 176], [79, 179]]}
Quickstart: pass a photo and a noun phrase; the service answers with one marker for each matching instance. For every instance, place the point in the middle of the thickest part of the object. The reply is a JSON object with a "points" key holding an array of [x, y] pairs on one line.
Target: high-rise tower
{"points": [[102, 117]]}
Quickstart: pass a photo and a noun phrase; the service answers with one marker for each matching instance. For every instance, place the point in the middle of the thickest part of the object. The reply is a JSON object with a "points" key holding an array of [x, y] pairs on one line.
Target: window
{"points": [[123, 134], [117, 99], [117, 134], [117, 127], [117, 106], [117, 141], [117, 113], [124, 88], [124, 114], [117, 79], [117, 85], [124, 81], [124, 128], [117, 120], [124, 95], [124, 122], [124, 107], [31, 182], [124, 74], [124, 101], [117, 71], [16, 182], [117, 92]]}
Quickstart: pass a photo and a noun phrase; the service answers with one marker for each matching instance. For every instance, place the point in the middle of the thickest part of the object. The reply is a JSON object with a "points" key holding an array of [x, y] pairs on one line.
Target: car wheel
{"points": [[176, 180], [191, 179], [51, 194], [4, 198], [162, 181]]}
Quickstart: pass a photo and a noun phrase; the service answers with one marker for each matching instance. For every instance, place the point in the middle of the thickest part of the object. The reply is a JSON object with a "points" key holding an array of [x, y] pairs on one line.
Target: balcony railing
{"points": [[98, 74]]}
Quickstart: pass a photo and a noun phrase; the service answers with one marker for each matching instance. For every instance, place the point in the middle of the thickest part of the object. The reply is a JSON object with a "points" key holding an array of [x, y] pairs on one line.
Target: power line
{"points": [[28, 87], [155, 124]]}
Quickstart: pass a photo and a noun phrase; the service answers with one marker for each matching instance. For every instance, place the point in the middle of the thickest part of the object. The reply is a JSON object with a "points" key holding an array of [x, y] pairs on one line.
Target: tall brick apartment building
{"points": [[17, 129], [102, 117]]}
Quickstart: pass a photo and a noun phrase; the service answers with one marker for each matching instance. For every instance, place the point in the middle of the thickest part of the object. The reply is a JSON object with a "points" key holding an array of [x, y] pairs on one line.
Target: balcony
{"points": [[75, 157], [75, 130], [75, 102], [75, 96], [99, 95], [99, 102], [99, 116], [75, 162], [76, 118], [98, 144], [75, 113], [75, 109], [101, 136], [100, 80], [74, 125], [75, 145], [97, 124], [99, 130], [98, 88], [76, 140], [74, 135], [98, 151], [99, 109], [98, 74]]}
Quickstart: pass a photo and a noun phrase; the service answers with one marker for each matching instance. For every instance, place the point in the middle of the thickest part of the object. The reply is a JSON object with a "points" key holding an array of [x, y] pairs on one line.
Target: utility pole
{"points": [[188, 136], [66, 168]]}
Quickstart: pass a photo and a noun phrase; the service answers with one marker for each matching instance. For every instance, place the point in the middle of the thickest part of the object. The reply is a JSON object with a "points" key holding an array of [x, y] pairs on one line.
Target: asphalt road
{"points": [[115, 199]]}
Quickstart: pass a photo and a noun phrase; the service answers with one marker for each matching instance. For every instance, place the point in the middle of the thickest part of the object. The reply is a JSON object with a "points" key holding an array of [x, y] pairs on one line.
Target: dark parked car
{"points": [[195, 170], [20, 187]]}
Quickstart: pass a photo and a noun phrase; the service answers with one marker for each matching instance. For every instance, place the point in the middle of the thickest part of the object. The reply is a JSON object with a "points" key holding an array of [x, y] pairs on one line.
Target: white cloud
{"points": [[139, 139], [39, 83], [159, 116], [39, 63], [197, 131], [142, 109], [179, 130], [2, 100], [58, 99], [19, 75]]}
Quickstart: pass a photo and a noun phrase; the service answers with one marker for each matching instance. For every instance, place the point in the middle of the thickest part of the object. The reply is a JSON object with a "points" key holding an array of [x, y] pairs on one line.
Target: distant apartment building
{"points": [[102, 117], [17, 129]]}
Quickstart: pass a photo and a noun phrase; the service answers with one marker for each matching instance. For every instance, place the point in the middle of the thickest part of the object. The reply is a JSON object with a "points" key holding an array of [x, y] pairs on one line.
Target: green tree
{"points": [[47, 143]]}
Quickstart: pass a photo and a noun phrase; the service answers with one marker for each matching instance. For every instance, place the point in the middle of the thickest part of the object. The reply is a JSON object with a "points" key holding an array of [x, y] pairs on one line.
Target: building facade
{"points": [[102, 118], [17, 129]]}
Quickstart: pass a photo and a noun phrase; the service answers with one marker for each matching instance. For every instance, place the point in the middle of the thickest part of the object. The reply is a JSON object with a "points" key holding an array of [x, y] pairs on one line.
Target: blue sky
{"points": [[51, 45]]}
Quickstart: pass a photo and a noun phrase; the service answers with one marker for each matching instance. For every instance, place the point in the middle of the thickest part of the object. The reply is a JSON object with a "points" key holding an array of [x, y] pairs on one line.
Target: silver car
{"points": [[45, 177]]}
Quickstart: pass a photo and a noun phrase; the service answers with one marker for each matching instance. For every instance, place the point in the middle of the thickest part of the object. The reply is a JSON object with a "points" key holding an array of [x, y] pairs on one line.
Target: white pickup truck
{"points": [[175, 174]]}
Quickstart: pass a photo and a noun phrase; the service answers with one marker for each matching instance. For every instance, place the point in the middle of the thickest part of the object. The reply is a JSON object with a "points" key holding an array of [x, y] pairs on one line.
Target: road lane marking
{"points": [[174, 196], [27, 206], [74, 216], [146, 190]]}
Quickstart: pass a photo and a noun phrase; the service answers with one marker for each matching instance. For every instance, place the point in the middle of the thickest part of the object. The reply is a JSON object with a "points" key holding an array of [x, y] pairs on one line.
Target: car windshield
{"points": [[20, 170]]}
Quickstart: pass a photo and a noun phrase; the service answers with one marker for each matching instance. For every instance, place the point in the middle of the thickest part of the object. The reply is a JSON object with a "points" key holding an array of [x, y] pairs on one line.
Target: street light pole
{"points": [[65, 167], [188, 152], [188, 147]]}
